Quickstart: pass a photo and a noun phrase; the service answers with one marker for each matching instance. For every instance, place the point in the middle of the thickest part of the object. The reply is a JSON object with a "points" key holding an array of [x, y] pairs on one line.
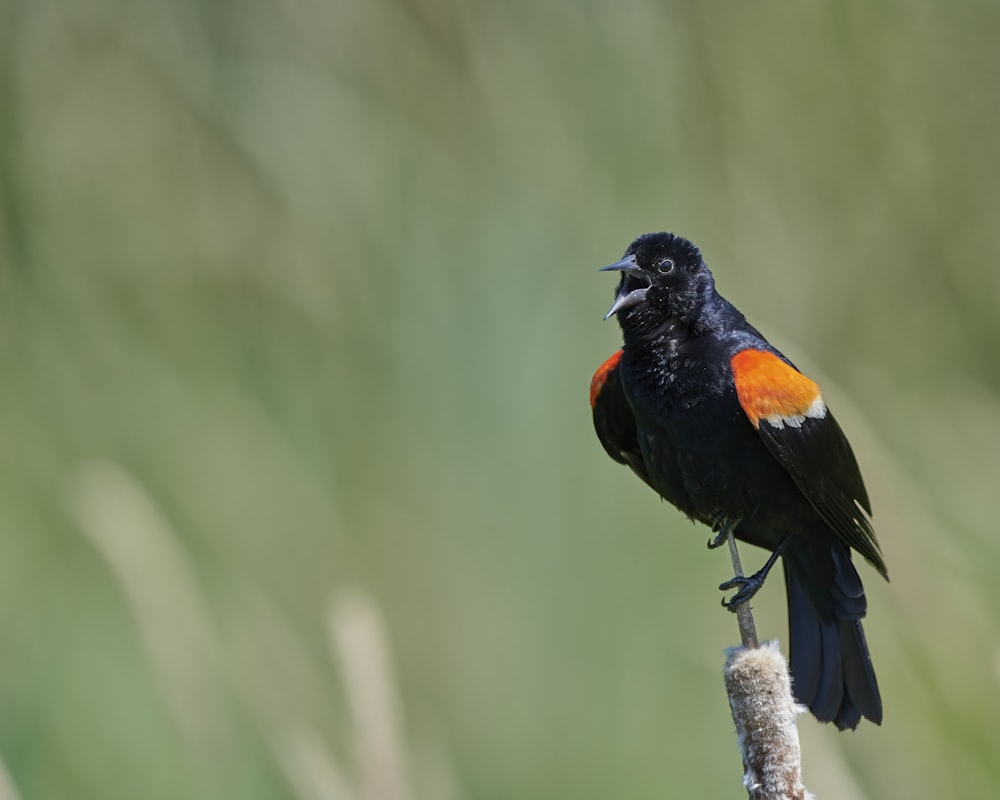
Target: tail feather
{"points": [[829, 700], [859, 674], [832, 671]]}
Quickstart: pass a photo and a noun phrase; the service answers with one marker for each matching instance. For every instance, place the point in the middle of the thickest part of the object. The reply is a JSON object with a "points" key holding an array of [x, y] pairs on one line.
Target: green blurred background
{"points": [[299, 313]]}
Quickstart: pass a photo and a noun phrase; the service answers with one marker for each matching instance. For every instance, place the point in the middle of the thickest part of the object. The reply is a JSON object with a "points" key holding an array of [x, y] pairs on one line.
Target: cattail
{"points": [[760, 696]]}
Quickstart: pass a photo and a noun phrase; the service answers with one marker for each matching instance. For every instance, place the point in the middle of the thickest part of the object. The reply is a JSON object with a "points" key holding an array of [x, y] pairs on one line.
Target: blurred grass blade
{"points": [[8, 791], [309, 767], [120, 518], [361, 646]]}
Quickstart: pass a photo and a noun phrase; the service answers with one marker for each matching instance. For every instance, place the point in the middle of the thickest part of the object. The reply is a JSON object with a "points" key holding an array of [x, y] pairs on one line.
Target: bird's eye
{"points": [[665, 266]]}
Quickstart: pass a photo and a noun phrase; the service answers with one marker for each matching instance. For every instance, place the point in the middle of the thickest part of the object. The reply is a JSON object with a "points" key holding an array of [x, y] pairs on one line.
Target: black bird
{"points": [[718, 422]]}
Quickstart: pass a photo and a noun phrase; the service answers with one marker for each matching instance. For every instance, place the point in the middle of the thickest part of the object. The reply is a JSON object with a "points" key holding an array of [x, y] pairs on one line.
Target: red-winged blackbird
{"points": [[724, 427]]}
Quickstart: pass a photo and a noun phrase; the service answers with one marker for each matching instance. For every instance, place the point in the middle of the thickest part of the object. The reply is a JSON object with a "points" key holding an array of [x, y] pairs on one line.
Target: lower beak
{"points": [[627, 300]]}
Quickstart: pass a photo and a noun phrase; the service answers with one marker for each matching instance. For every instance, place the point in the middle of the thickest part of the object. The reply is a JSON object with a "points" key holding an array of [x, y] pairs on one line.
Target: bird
{"points": [[724, 427]]}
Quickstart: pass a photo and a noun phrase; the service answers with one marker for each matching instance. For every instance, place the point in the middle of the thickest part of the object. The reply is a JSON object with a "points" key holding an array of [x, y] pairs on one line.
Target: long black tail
{"points": [[832, 672]]}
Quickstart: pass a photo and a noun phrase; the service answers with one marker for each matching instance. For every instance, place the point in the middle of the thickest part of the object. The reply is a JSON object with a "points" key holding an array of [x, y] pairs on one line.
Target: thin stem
{"points": [[744, 617]]}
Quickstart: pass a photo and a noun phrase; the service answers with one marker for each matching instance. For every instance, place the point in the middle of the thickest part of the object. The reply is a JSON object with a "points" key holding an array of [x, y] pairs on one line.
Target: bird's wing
{"points": [[613, 419], [788, 412]]}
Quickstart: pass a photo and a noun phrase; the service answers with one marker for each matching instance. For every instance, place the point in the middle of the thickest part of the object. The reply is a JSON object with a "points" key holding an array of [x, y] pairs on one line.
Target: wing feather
{"points": [[794, 423], [613, 418]]}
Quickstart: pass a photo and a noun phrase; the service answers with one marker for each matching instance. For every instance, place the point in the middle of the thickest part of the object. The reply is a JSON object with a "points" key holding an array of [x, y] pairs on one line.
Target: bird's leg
{"points": [[721, 525], [749, 585]]}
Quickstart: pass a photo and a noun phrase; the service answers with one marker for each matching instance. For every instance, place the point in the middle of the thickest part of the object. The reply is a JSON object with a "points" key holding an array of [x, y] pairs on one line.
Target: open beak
{"points": [[626, 298]]}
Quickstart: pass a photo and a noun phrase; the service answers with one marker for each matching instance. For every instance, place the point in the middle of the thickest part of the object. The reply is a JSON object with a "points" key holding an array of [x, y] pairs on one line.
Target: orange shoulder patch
{"points": [[770, 390], [597, 382]]}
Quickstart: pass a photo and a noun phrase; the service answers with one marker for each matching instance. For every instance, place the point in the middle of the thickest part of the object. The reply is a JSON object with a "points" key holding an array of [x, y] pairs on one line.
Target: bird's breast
{"points": [[701, 451]]}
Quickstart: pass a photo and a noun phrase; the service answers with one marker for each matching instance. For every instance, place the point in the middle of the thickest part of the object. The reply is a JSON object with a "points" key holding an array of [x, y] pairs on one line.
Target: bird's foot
{"points": [[721, 524], [748, 586], [718, 540]]}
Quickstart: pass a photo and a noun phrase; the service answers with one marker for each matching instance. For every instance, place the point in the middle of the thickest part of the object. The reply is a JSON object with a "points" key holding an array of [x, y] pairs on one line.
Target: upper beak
{"points": [[627, 264], [625, 298]]}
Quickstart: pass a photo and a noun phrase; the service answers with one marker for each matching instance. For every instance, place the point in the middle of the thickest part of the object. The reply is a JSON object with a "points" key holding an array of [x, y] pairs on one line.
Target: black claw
{"points": [[721, 525], [731, 605]]}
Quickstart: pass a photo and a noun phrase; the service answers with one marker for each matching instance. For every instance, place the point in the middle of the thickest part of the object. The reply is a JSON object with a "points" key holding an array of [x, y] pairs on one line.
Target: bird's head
{"points": [[663, 279]]}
